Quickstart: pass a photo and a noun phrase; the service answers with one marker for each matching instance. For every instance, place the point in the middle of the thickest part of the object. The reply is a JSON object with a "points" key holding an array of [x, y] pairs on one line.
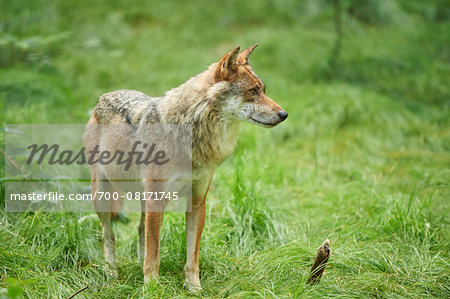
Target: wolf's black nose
{"points": [[283, 114]]}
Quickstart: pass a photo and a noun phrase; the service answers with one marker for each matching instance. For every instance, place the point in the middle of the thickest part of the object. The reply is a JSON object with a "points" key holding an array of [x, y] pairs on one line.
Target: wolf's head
{"points": [[242, 93]]}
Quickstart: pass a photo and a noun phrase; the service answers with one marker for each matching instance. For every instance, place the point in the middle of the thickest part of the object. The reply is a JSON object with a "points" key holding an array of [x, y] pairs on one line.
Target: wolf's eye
{"points": [[252, 91]]}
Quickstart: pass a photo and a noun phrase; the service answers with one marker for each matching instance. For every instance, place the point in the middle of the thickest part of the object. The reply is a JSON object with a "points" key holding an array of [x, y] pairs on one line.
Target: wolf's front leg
{"points": [[194, 227], [195, 221]]}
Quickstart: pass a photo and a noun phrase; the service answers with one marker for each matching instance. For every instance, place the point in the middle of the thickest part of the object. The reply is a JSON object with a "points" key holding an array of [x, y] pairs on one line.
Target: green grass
{"points": [[363, 159]]}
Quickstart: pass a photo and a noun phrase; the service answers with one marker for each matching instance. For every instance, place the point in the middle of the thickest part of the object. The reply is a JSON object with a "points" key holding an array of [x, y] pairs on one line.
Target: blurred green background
{"points": [[363, 159]]}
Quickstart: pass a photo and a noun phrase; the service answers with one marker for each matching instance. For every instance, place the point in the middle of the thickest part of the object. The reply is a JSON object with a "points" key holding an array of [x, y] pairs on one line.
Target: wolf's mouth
{"points": [[268, 125]]}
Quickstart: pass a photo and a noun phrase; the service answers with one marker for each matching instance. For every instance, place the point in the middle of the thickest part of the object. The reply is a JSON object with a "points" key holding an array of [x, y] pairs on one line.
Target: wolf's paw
{"points": [[151, 278], [192, 287]]}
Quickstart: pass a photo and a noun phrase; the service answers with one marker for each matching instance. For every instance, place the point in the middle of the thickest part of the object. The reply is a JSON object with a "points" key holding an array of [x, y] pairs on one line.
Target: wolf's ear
{"points": [[226, 66], [242, 58]]}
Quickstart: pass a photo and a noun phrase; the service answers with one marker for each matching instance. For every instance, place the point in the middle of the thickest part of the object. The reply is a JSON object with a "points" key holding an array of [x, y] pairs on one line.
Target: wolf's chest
{"points": [[211, 147]]}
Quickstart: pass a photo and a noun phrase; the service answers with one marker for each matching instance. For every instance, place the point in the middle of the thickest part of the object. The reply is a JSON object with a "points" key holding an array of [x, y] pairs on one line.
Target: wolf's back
{"points": [[126, 106]]}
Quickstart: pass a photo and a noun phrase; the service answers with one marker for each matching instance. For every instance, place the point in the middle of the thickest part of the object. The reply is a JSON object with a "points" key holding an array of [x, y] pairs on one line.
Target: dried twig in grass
{"points": [[77, 292]]}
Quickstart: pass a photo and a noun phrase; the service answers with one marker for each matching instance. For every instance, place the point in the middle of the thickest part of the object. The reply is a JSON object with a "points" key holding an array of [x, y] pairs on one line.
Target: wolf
{"points": [[214, 102]]}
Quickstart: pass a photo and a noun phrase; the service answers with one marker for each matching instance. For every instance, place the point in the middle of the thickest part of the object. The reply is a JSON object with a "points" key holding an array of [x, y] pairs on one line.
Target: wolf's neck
{"points": [[197, 102]]}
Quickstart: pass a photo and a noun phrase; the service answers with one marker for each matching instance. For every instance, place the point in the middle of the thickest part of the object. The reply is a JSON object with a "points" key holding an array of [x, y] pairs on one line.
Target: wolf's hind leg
{"points": [[152, 226], [103, 208], [153, 221]]}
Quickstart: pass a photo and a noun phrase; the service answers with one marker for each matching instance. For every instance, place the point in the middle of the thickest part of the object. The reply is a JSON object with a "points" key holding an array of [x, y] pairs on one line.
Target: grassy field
{"points": [[363, 159]]}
